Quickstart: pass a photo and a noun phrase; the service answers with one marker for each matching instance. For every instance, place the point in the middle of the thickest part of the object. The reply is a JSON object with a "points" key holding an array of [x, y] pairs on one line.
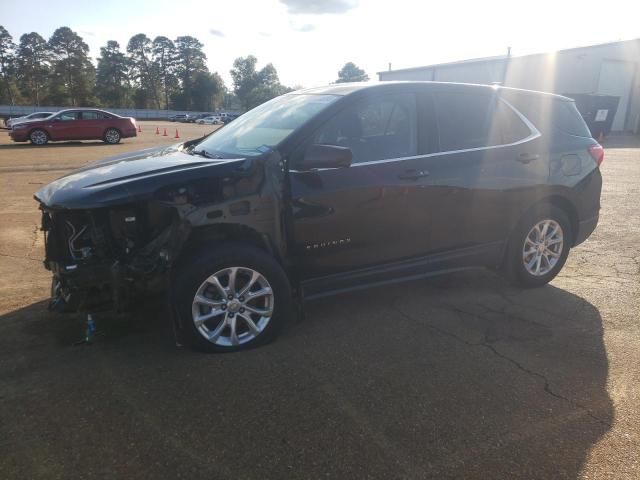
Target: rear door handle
{"points": [[413, 174], [527, 157]]}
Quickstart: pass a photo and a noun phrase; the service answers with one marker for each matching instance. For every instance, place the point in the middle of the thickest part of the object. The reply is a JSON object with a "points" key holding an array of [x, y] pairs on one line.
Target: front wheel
{"points": [[539, 247], [230, 298], [39, 137], [112, 136]]}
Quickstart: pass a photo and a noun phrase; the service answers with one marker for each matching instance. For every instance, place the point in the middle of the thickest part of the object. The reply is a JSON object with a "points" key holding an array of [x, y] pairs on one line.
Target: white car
{"points": [[32, 116], [211, 120]]}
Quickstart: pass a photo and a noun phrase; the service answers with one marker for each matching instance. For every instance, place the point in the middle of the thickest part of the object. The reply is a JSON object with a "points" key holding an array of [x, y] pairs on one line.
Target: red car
{"points": [[75, 124]]}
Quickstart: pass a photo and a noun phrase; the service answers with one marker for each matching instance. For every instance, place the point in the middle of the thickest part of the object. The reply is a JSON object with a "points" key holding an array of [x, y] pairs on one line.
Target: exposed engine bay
{"points": [[128, 249]]}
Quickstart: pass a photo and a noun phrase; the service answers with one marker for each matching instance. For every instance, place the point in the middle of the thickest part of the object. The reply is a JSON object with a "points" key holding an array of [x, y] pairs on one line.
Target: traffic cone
{"points": [[157, 131], [139, 129], [165, 133], [177, 134]]}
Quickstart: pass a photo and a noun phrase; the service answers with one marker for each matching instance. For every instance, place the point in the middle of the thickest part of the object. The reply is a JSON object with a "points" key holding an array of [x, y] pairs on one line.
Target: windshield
{"points": [[265, 126]]}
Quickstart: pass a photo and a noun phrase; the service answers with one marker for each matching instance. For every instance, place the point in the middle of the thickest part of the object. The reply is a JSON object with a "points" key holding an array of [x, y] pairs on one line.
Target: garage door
{"points": [[615, 79]]}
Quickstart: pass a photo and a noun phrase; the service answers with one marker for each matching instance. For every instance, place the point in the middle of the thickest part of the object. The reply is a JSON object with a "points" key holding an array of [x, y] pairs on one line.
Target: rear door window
{"points": [[91, 115], [463, 120], [506, 126], [472, 120]]}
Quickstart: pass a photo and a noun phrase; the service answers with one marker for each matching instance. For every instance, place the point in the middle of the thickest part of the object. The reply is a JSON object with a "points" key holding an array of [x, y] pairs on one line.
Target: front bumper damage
{"points": [[105, 258]]}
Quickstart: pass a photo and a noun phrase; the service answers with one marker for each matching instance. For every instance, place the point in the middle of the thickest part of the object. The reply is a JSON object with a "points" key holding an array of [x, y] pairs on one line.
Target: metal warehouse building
{"points": [[609, 69]]}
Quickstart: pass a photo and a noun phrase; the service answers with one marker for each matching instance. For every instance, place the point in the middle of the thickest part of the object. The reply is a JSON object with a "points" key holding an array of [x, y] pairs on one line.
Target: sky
{"points": [[308, 41]]}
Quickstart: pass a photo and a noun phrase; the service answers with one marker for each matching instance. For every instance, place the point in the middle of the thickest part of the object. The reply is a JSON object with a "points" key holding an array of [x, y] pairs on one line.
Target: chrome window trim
{"points": [[534, 133]]}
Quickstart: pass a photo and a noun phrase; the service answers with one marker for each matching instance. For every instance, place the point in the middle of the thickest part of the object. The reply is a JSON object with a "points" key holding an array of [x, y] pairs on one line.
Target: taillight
{"points": [[597, 153]]}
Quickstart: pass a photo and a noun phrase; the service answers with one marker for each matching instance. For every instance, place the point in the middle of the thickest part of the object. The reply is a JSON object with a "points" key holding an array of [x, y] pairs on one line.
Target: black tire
{"points": [[515, 264], [112, 136], [207, 261], [38, 137]]}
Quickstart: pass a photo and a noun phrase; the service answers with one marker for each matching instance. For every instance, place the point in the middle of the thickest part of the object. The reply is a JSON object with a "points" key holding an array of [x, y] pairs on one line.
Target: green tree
{"points": [[253, 87], [112, 76], [7, 67], [164, 58], [351, 73], [208, 91], [189, 61], [245, 78], [229, 100], [32, 67], [143, 70], [73, 73]]}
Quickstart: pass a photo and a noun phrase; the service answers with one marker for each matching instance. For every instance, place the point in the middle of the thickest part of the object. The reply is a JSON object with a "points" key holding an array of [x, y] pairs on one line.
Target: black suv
{"points": [[322, 191]]}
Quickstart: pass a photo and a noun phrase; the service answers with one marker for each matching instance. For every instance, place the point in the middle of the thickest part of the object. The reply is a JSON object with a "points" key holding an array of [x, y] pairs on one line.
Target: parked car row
{"points": [[90, 124], [74, 124], [212, 118]]}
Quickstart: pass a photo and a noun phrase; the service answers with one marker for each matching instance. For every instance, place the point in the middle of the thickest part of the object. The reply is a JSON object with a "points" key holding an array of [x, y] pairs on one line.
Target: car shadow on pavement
{"points": [[460, 376]]}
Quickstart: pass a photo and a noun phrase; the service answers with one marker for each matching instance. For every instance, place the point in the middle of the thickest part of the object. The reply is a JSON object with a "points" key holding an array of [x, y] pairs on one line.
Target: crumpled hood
{"points": [[130, 177]]}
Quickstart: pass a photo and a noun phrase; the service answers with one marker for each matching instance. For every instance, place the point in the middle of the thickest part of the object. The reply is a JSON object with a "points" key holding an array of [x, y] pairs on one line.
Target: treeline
{"points": [[159, 74]]}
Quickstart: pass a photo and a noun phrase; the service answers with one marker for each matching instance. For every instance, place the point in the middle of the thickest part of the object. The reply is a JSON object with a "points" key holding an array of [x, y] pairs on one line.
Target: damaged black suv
{"points": [[322, 191]]}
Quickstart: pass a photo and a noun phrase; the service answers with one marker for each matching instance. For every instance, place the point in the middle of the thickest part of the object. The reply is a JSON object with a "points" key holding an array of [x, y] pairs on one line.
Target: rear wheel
{"points": [[230, 298], [540, 246], [112, 136], [39, 137]]}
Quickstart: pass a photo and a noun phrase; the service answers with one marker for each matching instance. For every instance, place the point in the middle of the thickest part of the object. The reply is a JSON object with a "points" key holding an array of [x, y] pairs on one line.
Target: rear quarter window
{"points": [[568, 119], [551, 113]]}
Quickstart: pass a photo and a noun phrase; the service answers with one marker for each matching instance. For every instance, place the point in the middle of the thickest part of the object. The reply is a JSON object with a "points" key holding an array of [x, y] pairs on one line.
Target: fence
{"points": [[7, 111]]}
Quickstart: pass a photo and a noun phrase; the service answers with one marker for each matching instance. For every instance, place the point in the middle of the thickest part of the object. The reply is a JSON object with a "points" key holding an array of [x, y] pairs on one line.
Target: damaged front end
{"points": [[105, 257], [117, 228]]}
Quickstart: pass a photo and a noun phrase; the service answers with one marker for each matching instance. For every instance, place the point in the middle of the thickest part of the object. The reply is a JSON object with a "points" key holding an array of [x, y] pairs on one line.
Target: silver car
{"points": [[211, 120], [32, 116]]}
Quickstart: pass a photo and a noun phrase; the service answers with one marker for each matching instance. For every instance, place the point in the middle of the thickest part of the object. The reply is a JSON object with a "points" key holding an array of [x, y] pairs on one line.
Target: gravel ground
{"points": [[457, 377]]}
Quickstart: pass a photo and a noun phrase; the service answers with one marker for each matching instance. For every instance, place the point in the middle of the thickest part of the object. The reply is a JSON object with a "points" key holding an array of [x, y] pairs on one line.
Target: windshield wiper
{"points": [[204, 153]]}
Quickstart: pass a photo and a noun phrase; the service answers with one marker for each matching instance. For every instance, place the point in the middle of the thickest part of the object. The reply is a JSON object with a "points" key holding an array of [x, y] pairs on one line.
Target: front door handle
{"points": [[527, 157], [413, 174]]}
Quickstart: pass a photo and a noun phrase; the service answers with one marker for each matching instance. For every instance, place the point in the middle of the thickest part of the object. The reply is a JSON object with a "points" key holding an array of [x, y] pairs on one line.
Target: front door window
{"points": [[374, 129]]}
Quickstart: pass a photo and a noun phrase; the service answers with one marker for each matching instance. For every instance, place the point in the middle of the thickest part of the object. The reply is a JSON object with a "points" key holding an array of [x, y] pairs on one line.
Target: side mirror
{"points": [[326, 156]]}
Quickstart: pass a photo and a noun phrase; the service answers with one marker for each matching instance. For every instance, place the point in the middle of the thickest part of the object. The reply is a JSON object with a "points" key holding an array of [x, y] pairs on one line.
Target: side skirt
{"points": [[487, 255]]}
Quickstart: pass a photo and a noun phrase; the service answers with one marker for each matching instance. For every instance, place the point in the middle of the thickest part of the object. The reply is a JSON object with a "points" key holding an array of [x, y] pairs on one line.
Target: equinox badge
{"points": [[328, 243]]}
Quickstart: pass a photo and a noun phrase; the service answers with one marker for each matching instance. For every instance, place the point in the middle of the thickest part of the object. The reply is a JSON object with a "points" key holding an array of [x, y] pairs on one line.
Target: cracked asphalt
{"points": [[462, 376]]}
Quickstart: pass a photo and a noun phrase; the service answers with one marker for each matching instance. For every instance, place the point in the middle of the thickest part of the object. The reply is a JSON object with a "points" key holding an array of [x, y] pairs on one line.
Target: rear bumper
{"points": [[585, 228]]}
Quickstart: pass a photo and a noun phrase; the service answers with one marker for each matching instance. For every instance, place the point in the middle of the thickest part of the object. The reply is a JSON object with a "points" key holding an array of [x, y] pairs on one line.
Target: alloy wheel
{"points": [[38, 137], [112, 136], [542, 247], [233, 306]]}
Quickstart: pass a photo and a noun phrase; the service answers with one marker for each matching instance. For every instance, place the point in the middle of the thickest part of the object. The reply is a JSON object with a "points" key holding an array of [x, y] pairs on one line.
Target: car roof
{"points": [[395, 86]]}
